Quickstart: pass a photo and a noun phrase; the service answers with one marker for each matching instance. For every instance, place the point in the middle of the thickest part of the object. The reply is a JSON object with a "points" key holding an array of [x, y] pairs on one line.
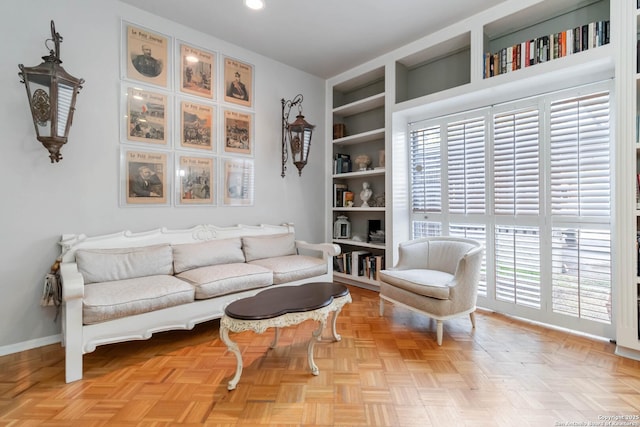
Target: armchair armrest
{"points": [[327, 249], [72, 281]]}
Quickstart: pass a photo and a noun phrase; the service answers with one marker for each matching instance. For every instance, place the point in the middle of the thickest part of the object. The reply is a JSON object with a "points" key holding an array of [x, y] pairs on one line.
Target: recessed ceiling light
{"points": [[254, 4]]}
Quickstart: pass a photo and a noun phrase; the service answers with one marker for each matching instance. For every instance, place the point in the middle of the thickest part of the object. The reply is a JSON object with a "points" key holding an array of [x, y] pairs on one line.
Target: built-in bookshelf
{"points": [[546, 48], [358, 161], [636, 65], [626, 16], [440, 69]]}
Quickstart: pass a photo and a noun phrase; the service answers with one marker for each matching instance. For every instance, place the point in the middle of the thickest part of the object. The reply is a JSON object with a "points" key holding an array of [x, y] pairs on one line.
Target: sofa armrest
{"points": [[327, 249], [72, 281]]}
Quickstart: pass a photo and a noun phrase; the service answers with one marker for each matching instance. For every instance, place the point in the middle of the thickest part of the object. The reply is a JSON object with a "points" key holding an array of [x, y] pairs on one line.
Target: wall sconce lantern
{"points": [[299, 134], [52, 97]]}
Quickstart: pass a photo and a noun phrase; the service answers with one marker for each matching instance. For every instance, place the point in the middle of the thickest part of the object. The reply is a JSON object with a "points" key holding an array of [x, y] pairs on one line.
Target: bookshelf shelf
{"points": [[361, 106], [359, 244], [360, 281], [362, 137], [359, 209], [360, 174]]}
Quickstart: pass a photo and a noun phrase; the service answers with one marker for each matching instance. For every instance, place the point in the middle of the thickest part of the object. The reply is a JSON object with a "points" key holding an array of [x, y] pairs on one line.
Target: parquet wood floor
{"points": [[385, 372]]}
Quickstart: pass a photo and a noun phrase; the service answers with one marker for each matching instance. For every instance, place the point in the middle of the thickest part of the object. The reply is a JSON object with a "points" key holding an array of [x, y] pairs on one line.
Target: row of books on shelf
{"points": [[342, 163], [546, 48], [342, 197], [359, 263]]}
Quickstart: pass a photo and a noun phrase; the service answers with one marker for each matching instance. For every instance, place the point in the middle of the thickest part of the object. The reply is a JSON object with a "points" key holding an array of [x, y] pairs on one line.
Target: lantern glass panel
{"points": [[65, 97]]}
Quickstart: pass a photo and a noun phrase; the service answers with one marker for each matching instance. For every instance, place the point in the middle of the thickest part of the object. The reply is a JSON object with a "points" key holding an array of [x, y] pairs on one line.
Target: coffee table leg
{"points": [[233, 347], [274, 343], [334, 331], [316, 336]]}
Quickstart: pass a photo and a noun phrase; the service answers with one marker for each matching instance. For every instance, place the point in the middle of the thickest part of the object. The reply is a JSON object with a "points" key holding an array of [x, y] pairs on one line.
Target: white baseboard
{"points": [[628, 352], [28, 345]]}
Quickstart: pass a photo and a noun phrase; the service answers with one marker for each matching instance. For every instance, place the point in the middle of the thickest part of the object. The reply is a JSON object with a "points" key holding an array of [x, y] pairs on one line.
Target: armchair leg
{"points": [[472, 316], [381, 307], [439, 331]]}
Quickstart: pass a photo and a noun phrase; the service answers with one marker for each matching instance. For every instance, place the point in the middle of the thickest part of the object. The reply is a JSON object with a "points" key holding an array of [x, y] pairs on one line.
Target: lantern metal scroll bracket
{"points": [[298, 133]]}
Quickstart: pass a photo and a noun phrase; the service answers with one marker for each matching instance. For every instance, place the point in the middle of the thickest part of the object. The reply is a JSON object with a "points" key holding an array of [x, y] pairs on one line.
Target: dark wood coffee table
{"points": [[280, 307]]}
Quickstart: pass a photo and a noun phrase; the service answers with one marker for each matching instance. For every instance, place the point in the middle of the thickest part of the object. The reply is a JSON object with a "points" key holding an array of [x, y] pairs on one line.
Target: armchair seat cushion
{"points": [[428, 283]]}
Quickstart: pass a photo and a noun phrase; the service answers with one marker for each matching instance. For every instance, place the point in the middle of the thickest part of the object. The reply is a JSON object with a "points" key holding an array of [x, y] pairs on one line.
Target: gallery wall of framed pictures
{"points": [[187, 123]]}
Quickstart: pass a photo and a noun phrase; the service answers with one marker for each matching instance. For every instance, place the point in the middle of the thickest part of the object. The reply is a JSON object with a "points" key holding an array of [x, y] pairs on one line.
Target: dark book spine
{"points": [[638, 56]]}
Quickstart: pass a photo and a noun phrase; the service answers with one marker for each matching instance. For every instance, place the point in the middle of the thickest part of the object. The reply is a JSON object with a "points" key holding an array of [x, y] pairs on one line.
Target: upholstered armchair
{"points": [[435, 276]]}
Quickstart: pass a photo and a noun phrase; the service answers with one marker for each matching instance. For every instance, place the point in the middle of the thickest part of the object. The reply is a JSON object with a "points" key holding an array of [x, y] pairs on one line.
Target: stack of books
{"points": [[342, 197], [342, 163], [359, 263], [546, 48]]}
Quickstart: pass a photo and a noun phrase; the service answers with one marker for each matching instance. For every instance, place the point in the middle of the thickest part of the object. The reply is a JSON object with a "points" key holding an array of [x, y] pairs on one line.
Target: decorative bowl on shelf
{"points": [[363, 161]]}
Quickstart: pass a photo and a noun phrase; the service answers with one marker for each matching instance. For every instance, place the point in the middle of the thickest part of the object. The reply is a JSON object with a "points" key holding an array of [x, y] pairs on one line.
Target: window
{"points": [[466, 172], [531, 180], [425, 170]]}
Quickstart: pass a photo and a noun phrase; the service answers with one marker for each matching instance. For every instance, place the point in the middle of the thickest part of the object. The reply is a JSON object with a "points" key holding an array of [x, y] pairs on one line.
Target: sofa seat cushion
{"points": [[121, 298], [223, 279], [293, 267], [428, 283]]}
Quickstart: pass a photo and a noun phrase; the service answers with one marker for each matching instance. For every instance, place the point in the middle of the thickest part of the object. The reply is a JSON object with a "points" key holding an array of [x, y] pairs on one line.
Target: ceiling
{"points": [[321, 37]]}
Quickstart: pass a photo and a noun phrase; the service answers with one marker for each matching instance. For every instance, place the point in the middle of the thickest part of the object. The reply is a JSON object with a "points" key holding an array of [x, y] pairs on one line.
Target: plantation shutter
{"points": [[517, 257], [580, 202], [580, 163], [425, 170], [466, 171], [516, 163]]}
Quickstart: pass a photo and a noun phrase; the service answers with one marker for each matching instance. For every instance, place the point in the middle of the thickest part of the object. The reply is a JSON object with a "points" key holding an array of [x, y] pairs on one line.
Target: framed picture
{"points": [[146, 55], [197, 126], [195, 181], [145, 177], [238, 132], [144, 115], [196, 71], [237, 182], [238, 82]]}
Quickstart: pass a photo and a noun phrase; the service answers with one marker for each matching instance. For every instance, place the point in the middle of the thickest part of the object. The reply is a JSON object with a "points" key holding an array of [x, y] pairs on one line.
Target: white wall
{"points": [[41, 201]]}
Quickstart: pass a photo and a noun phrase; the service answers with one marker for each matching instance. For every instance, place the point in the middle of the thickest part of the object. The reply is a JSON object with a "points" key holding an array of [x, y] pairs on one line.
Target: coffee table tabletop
{"points": [[280, 307], [286, 299]]}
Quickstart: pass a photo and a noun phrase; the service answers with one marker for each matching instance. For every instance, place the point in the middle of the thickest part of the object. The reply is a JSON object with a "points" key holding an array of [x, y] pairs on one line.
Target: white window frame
{"points": [[544, 221]]}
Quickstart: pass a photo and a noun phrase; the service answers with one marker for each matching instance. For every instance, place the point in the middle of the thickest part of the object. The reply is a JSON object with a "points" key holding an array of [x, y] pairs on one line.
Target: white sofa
{"points": [[126, 286]]}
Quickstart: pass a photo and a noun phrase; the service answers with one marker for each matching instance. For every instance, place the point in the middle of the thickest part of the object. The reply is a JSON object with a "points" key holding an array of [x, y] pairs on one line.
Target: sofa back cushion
{"points": [[213, 252], [105, 265], [268, 246]]}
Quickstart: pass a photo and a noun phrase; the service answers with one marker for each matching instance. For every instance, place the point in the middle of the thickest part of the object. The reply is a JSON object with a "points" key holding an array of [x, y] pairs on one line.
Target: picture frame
{"points": [[238, 182], [146, 55], [197, 128], [196, 182], [238, 132], [197, 71], [145, 177], [145, 115], [238, 82]]}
